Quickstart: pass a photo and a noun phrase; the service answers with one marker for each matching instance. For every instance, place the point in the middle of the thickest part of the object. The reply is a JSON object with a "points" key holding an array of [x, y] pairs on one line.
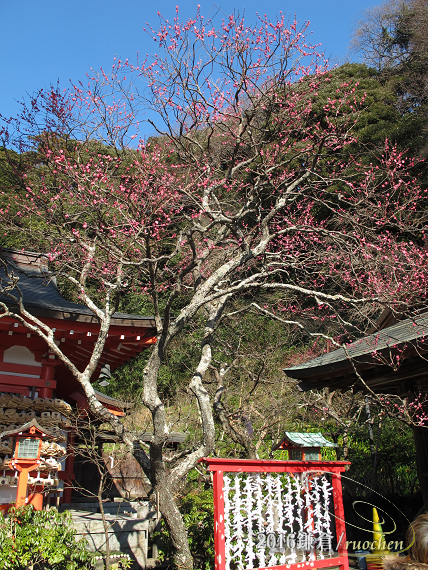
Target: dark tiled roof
{"points": [[173, 437], [365, 349], [109, 400], [42, 297], [39, 292]]}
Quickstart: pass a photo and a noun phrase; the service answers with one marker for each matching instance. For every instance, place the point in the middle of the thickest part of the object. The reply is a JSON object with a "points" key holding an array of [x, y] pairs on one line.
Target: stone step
{"points": [[92, 523], [134, 509]]}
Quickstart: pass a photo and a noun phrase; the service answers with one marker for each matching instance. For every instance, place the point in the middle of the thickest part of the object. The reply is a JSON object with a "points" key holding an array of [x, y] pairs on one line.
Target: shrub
{"points": [[42, 539]]}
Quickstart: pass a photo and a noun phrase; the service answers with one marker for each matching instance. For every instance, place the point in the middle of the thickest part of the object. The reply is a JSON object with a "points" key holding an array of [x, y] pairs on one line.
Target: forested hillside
{"points": [[278, 209]]}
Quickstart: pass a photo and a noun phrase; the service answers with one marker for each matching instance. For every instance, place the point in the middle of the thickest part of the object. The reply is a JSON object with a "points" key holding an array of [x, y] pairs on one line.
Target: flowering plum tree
{"points": [[243, 193]]}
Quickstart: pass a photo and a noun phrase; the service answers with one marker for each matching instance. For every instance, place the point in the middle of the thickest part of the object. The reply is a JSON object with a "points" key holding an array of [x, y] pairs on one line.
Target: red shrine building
{"points": [[38, 392]]}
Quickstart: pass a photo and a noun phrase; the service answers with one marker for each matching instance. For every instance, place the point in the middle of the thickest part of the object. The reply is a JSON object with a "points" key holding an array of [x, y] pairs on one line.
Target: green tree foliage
{"points": [[377, 118], [410, 36], [12, 166], [42, 540], [394, 471], [392, 39]]}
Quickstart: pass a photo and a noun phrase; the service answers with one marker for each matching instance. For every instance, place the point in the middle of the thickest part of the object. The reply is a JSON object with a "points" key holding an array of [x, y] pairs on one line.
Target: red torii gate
{"points": [[285, 505]]}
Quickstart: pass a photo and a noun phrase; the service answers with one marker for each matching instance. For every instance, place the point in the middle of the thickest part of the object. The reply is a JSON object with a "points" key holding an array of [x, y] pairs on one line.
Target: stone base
{"points": [[128, 530]]}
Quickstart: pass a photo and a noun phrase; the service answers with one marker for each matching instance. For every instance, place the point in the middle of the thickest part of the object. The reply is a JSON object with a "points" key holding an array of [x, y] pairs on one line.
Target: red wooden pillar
{"points": [[36, 498], [21, 491], [68, 475], [48, 374], [219, 538], [339, 514]]}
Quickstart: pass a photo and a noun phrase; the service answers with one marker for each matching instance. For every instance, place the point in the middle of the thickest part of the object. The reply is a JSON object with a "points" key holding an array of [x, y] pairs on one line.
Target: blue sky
{"points": [[49, 40]]}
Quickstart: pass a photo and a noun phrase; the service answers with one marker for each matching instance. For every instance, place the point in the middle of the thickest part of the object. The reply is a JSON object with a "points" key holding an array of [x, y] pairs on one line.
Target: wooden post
{"points": [[36, 498], [69, 469], [339, 514], [420, 436], [21, 492], [219, 538]]}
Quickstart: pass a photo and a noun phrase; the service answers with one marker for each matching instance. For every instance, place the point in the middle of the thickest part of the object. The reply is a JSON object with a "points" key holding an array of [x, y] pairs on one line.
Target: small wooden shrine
{"points": [[303, 446], [38, 392]]}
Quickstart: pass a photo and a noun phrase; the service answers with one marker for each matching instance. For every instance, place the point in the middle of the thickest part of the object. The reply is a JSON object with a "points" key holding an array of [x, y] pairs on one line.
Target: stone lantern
{"points": [[26, 451]]}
